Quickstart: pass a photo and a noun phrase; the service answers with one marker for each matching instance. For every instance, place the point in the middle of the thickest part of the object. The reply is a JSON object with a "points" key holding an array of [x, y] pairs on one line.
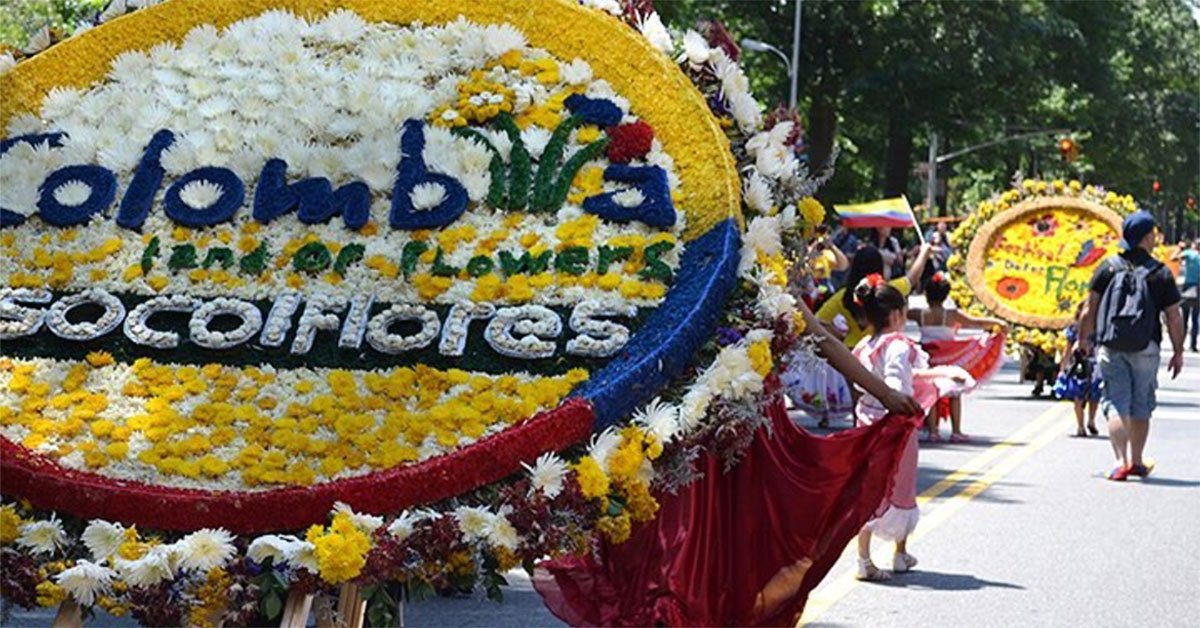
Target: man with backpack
{"points": [[1130, 294]]}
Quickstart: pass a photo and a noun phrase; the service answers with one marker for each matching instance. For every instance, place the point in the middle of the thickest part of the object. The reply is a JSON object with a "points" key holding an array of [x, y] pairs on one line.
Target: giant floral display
{"points": [[1028, 255], [298, 294]]}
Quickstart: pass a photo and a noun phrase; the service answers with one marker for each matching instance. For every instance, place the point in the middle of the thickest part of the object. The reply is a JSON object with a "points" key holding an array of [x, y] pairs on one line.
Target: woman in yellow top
{"points": [[841, 315]]}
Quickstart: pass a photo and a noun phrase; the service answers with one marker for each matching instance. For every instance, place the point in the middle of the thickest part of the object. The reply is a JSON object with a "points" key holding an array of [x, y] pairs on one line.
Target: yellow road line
{"points": [[1040, 431]]}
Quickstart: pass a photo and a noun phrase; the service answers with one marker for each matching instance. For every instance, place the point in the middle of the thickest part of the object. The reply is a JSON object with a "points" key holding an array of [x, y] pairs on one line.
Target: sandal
{"points": [[903, 562], [960, 438], [868, 572], [1092, 429], [1081, 433]]}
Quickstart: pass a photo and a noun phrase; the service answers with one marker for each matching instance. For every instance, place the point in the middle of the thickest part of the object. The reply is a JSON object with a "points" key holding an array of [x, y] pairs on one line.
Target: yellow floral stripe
{"points": [[658, 92]]}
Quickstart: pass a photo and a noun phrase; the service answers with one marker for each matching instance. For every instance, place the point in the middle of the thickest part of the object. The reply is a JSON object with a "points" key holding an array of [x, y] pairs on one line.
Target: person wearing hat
{"points": [[1130, 295]]}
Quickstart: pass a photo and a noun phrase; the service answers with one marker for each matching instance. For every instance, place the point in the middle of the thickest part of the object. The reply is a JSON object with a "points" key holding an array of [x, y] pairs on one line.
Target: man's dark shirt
{"points": [[1161, 282]]}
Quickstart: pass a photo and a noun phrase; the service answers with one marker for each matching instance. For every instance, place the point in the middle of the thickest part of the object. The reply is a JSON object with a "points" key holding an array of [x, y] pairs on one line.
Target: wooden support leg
{"points": [[296, 610], [69, 615], [351, 606]]}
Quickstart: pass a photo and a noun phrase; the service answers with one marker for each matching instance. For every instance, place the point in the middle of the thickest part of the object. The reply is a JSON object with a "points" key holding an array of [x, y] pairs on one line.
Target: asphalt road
{"points": [[1019, 528]]}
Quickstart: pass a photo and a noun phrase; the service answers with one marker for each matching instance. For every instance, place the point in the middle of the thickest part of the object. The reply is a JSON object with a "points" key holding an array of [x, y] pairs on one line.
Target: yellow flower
{"points": [[341, 550], [10, 525], [593, 483], [99, 358], [812, 211], [760, 357]]}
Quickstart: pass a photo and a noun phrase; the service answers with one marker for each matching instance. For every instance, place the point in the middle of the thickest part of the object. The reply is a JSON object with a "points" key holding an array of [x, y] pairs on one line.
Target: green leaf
{"points": [[272, 606]]}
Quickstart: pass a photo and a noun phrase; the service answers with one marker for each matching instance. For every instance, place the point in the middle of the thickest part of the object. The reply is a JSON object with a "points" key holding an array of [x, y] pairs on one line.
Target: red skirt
{"points": [[710, 553], [980, 356]]}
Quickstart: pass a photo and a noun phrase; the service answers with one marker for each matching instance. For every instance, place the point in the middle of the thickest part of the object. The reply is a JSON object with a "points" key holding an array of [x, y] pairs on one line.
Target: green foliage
{"points": [[20, 19], [876, 77]]}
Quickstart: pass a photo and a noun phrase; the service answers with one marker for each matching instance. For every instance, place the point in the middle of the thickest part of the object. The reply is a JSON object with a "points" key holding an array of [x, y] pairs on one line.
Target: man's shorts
{"points": [[1129, 380]]}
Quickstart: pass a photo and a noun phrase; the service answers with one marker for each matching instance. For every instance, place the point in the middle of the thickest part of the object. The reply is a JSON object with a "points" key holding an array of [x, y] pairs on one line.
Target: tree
{"points": [[877, 77]]}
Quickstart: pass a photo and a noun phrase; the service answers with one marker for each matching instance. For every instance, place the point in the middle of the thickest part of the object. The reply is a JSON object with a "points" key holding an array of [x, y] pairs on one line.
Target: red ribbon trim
{"points": [[48, 485]]}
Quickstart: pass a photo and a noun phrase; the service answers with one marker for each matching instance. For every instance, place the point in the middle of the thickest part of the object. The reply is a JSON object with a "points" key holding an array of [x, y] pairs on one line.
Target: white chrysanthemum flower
{"points": [[577, 72], [201, 194], [340, 26], [762, 235], [602, 445], [305, 557], [60, 101], [500, 141], [7, 61], [72, 193], [757, 193], [746, 112], [501, 533], [630, 197], [120, 155], [695, 49], [501, 38], [655, 32], [403, 525], [39, 41], [43, 537], [659, 418], [609, 6], [24, 124], [152, 568], [546, 474], [694, 405], [427, 195], [116, 8], [535, 139], [278, 548], [206, 549], [130, 66], [85, 581], [364, 522], [103, 538], [473, 521]]}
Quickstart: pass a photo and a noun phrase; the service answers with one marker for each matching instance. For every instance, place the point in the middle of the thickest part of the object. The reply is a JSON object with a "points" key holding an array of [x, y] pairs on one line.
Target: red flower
{"points": [[1012, 288], [629, 141]]}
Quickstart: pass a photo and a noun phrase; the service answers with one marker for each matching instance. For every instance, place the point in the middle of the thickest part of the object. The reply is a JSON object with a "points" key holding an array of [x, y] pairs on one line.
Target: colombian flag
{"points": [[890, 212]]}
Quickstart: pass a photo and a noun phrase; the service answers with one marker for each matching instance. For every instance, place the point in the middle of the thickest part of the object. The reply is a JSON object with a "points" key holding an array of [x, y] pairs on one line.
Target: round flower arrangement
{"points": [[1027, 256], [297, 298]]}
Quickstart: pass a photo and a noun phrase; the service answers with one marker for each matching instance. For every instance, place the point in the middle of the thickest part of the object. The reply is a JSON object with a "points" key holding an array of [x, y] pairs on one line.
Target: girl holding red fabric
{"points": [[900, 362], [979, 356]]}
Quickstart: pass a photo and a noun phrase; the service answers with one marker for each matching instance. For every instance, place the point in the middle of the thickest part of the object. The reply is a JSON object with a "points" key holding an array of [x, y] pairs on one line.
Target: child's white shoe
{"points": [[903, 562], [869, 572]]}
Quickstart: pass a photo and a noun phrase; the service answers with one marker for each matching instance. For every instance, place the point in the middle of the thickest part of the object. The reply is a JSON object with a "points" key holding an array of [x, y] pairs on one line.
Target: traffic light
{"points": [[1068, 149]]}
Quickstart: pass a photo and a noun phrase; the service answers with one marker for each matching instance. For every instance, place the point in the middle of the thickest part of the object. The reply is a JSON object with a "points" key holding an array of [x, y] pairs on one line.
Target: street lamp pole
{"points": [[794, 66], [791, 64], [935, 158]]}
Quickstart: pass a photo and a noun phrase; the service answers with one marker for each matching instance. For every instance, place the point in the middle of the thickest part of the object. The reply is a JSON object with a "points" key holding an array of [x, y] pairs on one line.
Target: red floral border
{"points": [[48, 485]]}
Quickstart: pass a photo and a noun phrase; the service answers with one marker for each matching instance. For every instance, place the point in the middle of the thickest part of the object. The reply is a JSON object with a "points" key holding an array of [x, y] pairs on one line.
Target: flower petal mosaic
{"points": [[299, 293], [1029, 255]]}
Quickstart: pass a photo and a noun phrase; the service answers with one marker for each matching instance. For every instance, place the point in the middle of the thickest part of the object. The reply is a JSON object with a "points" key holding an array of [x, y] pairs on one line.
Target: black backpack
{"points": [[1128, 316]]}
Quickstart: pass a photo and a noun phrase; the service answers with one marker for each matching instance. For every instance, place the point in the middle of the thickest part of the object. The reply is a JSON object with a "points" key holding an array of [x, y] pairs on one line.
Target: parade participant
{"points": [[1130, 294], [980, 356], [900, 362], [814, 386], [824, 259], [1190, 289], [889, 247], [1078, 379], [841, 315]]}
